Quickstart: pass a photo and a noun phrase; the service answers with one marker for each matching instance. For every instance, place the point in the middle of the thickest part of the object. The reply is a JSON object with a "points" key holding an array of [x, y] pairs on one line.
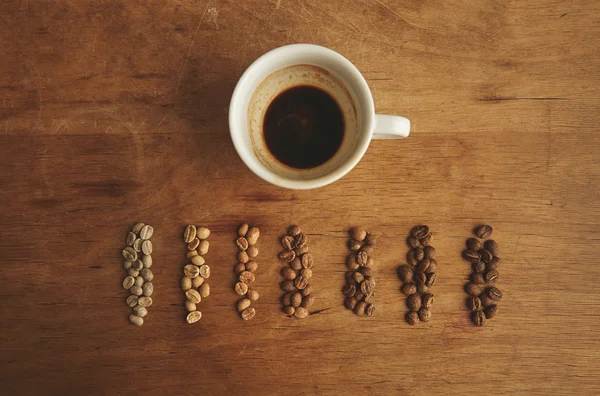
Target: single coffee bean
{"points": [[414, 302], [296, 264], [473, 289], [473, 244], [306, 272], [147, 274], [478, 318], [472, 256], [133, 272], [494, 293], [307, 301], [485, 255], [146, 232], [423, 265], [131, 237], [137, 228], [306, 291], [300, 240], [492, 276], [243, 304], [247, 277], [350, 302], [147, 247], [243, 229], [370, 310], [307, 260], [132, 300], [420, 231], [190, 306], [426, 241], [409, 288], [186, 283], [248, 313], [354, 245], [410, 258], [193, 317], [252, 252], [241, 288], [136, 290], [359, 308], [431, 278], [429, 251], [358, 277], [492, 246], [367, 286], [412, 318], [127, 264], [204, 271], [286, 299], [301, 250], [289, 310], [474, 303], [239, 268], [428, 300], [128, 282], [366, 271], [288, 286], [202, 232], [493, 264], [296, 299], [189, 234], [288, 273], [349, 276], [252, 266], [420, 278], [300, 282], [419, 254], [145, 301], [478, 277], [413, 242], [191, 271], [203, 247], [197, 282], [139, 281], [484, 231], [147, 261], [357, 233], [137, 245], [369, 297], [288, 242], [252, 235], [405, 273], [301, 313], [130, 254], [491, 311], [424, 314], [148, 289], [359, 296], [367, 249], [370, 239], [287, 255], [140, 311], [362, 258], [242, 243], [138, 265], [243, 257], [351, 262], [294, 230], [193, 296], [204, 290], [433, 264], [478, 267], [252, 295], [136, 320], [193, 244]]}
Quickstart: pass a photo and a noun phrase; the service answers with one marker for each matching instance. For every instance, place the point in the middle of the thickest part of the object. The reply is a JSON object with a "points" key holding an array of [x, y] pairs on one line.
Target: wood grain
{"points": [[114, 112]]}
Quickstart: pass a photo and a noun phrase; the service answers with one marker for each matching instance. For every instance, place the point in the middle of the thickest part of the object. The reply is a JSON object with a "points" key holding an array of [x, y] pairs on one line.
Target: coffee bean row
{"points": [[245, 269], [483, 297], [195, 273], [296, 274], [359, 290], [138, 261]]}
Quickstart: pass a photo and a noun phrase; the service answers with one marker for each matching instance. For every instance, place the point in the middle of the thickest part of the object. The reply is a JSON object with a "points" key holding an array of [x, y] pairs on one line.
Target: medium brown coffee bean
{"points": [[301, 250], [202, 232], [426, 241], [473, 289], [186, 283], [486, 301], [300, 240], [148, 289], [420, 231], [494, 293], [419, 254], [131, 237], [424, 314], [414, 302], [289, 310], [252, 295], [136, 320], [420, 278], [423, 265], [429, 251], [193, 244], [478, 267], [306, 272], [191, 271], [413, 242], [146, 232], [307, 260], [358, 277], [287, 255], [370, 239], [132, 300], [288, 242], [351, 262], [288, 273], [296, 264], [147, 274], [248, 313], [409, 288], [252, 235], [349, 276], [369, 297], [306, 291], [286, 299], [145, 301], [190, 306], [473, 244], [370, 310], [203, 247], [252, 266], [247, 277], [492, 276], [478, 318], [140, 311], [433, 264], [405, 273], [241, 243], [428, 300], [243, 257], [128, 282], [367, 249], [241, 288], [493, 264], [350, 302], [412, 318], [294, 230], [474, 303], [137, 228], [478, 278], [197, 282], [193, 296], [359, 308], [300, 282], [193, 317], [189, 234], [204, 290], [130, 254], [252, 252], [357, 233], [431, 278], [239, 268], [243, 304], [491, 311], [243, 229], [492, 246], [296, 299], [288, 286], [301, 313], [484, 231], [410, 258], [362, 258], [472, 256], [307, 301], [486, 256], [354, 245], [359, 296], [366, 271], [367, 286]]}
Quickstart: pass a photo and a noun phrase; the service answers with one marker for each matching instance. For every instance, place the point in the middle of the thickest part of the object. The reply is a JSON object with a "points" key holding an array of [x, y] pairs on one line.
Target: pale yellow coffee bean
{"points": [[136, 320], [239, 268], [189, 234], [130, 254], [147, 274], [127, 264], [252, 235], [203, 247], [193, 317], [146, 232], [251, 266], [139, 281], [140, 311], [193, 296], [147, 261], [197, 282], [147, 247], [138, 265], [148, 289], [190, 254], [191, 271], [242, 230], [137, 245], [186, 283], [135, 290], [248, 313], [131, 237], [198, 260], [190, 306], [133, 272], [193, 244], [243, 256], [205, 271], [128, 282], [204, 290], [137, 228], [145, 302], [252, 295], [202, 232], [132, 300], [243, 304], [252, 252], [240, 288]]}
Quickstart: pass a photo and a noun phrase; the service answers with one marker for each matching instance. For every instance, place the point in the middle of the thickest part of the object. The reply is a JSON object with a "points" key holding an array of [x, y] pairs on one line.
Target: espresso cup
{"points": [[306, 65]]}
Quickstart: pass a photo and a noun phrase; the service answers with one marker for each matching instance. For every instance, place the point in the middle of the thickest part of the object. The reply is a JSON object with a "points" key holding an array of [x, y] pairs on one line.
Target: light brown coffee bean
{"points": [[289, 310], [300, 240], [473, 289], [135, 290], [369, 297], [429, 252], [193, 296], [193, 244], [412, 318], [286, 299], [197, 282], [136, 320], [354, 245], [252, 266], [358, 233], [301, 313], [239, 268], [301, 250], [307, 301], [139, 281], [424, 314], [351, 262], [202, 232], [350, 302], [491, 311], [252, 235], [145, 301], [243, 257], [252, 252], [130, 254], [287, 255], [296, 264], [367, 286], [191, 271], [300, 282], [474, 303], [133, 272], [140, 311], [296, 299], [189, 234], [306, 291], [203, 247], [409, 288], [370, 262], [132, 300], [370, 310], [137, 227], [127, 264], [252, 295], [362, 258], [146, 232], [147, 247], [484, 231], [147, 274], [428, 300], [190, 306], [248, 313], [288, 242], [294, 230], [204, 271], [204, 290], [359, 308], [247, 277], [358, 277], [131, 237], [414, 302], [288, 273], [478, 318], [433, 264], [243, 229], [307, 260], [241, 288], [367, 249], [370, 239], [349, 290], [288, 286], [193, 317], [420, 231], [242, 243], [128, 282], [243, 304], [431, 279], [186, 283], [306, 273], [366, 271]]}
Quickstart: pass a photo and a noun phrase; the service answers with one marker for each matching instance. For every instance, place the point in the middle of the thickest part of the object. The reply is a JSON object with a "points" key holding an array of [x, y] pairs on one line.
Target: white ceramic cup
{"points": [[306, 64]]}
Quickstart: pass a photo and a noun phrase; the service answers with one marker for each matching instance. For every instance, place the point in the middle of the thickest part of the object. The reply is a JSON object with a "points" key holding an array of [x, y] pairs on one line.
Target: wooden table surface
{"points": [[114, 112]]}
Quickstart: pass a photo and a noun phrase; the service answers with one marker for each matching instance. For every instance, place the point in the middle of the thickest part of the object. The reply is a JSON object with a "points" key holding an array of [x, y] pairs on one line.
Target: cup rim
{"points": [[367, 109]]}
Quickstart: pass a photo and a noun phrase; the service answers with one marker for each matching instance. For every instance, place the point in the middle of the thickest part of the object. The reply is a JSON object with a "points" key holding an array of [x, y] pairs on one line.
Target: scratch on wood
{"points": [[190, 48], [396, 14], [500, 98]]}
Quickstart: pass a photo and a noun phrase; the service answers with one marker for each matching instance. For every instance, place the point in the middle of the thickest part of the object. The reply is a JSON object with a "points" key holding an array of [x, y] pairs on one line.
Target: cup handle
{"points": [[391, 127]]}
